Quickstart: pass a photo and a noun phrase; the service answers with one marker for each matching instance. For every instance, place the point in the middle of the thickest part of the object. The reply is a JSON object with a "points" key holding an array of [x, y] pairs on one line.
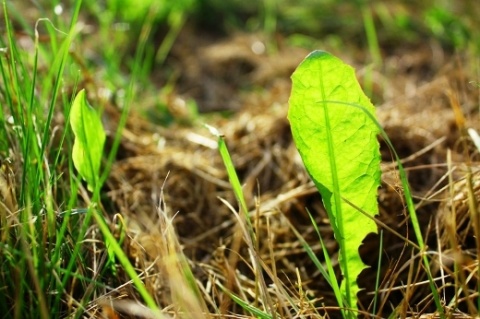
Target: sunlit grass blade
{"points": [[329, 273], [124, 261], [249, 236], [332, 279], [232, 174], [245, 305], [377, 278]]}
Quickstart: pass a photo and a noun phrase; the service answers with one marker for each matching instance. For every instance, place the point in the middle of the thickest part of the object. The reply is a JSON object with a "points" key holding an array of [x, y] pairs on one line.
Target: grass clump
{"points": [[39, 244]]}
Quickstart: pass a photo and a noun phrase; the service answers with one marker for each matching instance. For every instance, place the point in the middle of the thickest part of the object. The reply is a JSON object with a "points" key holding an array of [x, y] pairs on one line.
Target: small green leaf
{"points": [[89, 140], [332, 126]]}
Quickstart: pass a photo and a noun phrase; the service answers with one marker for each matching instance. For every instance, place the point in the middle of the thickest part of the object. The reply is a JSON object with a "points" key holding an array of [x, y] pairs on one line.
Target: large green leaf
{"points": [[337, 141], [89, 140]]}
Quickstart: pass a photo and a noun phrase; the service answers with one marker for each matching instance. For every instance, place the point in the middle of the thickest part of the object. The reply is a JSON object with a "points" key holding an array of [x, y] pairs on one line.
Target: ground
{"points": [[170, 189]]}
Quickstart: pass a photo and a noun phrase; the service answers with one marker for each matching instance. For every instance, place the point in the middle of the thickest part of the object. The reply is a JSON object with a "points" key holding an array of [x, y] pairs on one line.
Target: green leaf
{"points": [[331, 122], [89, 140]]}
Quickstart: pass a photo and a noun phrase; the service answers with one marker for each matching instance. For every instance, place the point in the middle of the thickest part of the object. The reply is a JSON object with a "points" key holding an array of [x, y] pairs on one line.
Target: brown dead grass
{"points": [[182, 166]]}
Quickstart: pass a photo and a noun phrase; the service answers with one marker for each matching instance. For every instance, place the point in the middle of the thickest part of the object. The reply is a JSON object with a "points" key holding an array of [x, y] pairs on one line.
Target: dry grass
{"points": [[195, 229]]}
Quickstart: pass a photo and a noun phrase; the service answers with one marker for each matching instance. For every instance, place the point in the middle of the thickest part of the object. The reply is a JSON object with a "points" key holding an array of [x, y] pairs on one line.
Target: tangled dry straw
{"points": [[183, 164]]}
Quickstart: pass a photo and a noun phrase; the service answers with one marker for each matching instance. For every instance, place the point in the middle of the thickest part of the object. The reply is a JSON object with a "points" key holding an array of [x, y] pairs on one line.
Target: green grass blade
{"points": [[124, 261], [328, 273], [377, 278], [232, 174], [245, 305]]}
